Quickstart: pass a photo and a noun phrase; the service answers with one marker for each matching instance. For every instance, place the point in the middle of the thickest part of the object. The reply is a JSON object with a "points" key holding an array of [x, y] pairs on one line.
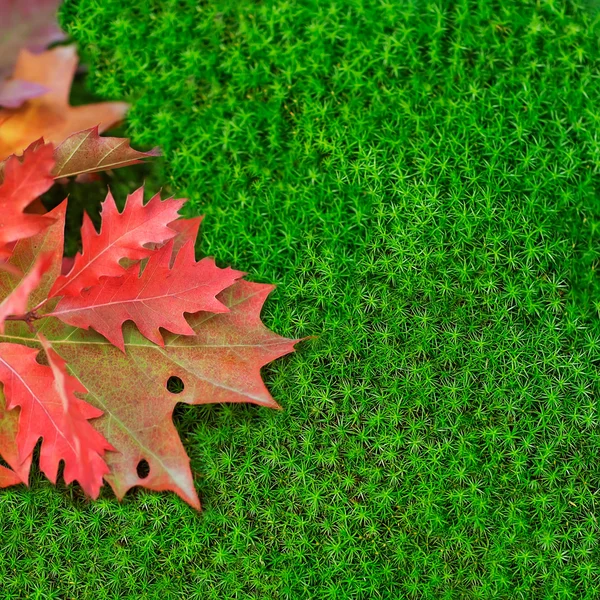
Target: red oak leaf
{"points": [[67, 264], [23, 183], [16, 302], [26, 253], [122, 235], [187, 229], [221, 362], [212, 339], [156, 298], [67, 434]]}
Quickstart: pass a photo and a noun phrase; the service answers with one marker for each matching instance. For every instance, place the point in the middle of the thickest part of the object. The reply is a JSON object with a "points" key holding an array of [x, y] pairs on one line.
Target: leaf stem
{"points": [[36, 308], [28, 318]]}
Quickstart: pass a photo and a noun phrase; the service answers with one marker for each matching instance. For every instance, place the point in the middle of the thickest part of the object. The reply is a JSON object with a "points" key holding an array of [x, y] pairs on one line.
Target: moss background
{"points": [[421, 180]]}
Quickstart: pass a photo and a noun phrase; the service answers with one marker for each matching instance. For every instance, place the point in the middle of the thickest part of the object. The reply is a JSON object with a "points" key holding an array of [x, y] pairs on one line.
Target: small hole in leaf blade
{"points": [[41, 358], [143, 469], [175, 385]]}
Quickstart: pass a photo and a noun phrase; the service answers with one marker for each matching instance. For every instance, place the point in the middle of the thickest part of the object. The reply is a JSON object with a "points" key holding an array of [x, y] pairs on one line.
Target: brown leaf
{"points": [[87, 152], [84, 154]]}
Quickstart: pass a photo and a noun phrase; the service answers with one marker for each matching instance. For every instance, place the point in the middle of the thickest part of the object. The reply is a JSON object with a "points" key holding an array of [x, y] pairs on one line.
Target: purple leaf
{"points": [[14, 92], [27, 24]]}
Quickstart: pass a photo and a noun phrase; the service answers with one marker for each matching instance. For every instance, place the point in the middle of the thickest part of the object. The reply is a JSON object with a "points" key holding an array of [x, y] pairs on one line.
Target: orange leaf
{"points": [[50, 115]]}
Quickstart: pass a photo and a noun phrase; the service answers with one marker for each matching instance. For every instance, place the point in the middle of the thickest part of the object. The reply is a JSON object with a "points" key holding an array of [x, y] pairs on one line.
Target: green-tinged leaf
{"points": [[220, 363]]}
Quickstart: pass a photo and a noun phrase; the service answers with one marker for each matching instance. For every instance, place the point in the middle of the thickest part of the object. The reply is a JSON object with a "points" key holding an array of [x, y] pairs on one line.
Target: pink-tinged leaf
{"points": [[221, 362], [67, 264], [16, 302], [23, 183], [8, 477], [26, 252], [187, 229], [91, 467], [67, 434], [30, 24], [157, 298], [122, 235], [14, 92], [87, 152]]}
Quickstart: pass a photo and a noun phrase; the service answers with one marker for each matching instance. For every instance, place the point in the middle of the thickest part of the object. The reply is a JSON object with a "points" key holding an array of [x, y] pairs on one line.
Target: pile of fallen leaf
{"points": [[89, 345]]}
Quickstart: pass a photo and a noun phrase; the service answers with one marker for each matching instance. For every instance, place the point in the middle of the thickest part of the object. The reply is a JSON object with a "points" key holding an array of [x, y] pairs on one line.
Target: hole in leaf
{"points": [[143, 469], [175, 385], [42, 359]]}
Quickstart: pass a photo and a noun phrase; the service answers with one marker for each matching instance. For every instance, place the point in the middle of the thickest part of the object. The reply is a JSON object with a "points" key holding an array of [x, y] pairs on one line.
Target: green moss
{"points": [[421, 181]]}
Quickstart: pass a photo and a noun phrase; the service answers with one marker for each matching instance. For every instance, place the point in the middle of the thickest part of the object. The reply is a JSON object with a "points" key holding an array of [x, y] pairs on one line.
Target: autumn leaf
{"points": [[29, 24], [9, 427], [122, 235], [221, 362], [67, 264], [86, 153], [16, 302], [157, 298], [14, 92], [50, 116], [23, 183], [25, 254], [106, 408], [67, 434], [187, 229], [38, 259]]}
